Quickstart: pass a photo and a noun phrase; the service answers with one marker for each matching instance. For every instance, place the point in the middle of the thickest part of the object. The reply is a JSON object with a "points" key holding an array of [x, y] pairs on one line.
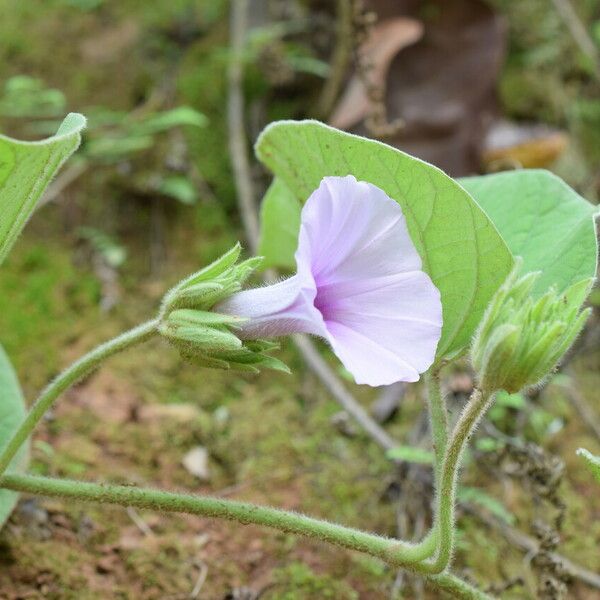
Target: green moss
{"points": [[298, 582], [44, 301]]}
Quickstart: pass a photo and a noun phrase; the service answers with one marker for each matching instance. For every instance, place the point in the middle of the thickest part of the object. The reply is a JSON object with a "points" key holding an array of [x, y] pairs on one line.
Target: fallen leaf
{"points": [[385, 40], [442, 87]]}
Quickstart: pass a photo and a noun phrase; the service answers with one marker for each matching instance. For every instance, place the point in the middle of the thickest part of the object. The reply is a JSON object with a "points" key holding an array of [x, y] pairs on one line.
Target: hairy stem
{"points": [[438, 421], [446, 492], [70, 376], [393, 552], [438, 415], [454, 587]]}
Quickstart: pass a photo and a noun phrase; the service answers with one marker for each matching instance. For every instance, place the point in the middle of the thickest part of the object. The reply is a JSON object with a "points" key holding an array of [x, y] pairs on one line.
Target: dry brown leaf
{"points": [[385, 40], [443, 86]]}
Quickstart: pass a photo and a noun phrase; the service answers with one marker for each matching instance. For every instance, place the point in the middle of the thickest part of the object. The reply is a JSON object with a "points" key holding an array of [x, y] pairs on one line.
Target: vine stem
{"points": [[446, 492], [69, 377], [393, 552], [455, 587], [438, 421], [438, 415]]}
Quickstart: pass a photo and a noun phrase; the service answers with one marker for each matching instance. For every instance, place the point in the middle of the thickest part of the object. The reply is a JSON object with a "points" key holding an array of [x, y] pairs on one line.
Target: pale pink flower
{"points": [[359, 284]]}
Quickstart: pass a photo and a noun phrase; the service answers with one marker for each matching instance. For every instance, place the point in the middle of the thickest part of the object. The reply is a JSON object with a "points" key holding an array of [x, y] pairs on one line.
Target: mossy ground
{"points": [[270, 438]]}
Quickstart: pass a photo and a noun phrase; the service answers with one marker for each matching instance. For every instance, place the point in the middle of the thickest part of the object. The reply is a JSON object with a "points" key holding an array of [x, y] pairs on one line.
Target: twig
{"points": [[578, 32], [398, 584], [200, 581], [586, 412], [235, 118], [388, 401], [341, 394], [529, 545], [109, 282], [141, 524], [157, 235], [341, 57]]}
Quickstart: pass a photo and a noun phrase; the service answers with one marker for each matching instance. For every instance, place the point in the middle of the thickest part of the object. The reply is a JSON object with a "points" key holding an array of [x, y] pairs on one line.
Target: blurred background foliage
{"points": [[470, 85]]}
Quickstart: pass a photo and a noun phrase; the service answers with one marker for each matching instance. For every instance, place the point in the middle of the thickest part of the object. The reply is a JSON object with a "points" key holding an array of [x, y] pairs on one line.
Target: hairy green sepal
{"points": [[207, 338], [522, 338]]}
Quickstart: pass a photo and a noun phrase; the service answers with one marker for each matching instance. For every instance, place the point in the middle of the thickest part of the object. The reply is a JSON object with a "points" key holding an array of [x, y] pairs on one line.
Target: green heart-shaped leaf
{"points": [[26, 169], [461, 249], [545, 222], [12, 413], [280, 224]]}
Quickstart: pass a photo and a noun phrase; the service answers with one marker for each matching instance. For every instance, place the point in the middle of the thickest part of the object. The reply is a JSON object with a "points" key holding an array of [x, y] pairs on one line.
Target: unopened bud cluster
{"points": [[521, 339], [208, 338]]}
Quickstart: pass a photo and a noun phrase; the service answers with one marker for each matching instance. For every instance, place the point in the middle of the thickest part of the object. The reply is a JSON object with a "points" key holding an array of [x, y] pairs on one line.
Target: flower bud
{"points": [[208, 338], [521, 339], [211, 285]]}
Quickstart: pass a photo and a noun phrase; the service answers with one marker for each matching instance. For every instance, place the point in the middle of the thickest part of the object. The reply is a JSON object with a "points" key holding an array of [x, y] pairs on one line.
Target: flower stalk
{"points": [[438, 423], [438, 418], [448, 457], [69, 377], [444, 525]]}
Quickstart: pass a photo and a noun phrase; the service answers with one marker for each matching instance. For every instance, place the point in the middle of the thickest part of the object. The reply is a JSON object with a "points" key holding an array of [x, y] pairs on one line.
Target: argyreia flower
{"points": [[359, 285]]}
